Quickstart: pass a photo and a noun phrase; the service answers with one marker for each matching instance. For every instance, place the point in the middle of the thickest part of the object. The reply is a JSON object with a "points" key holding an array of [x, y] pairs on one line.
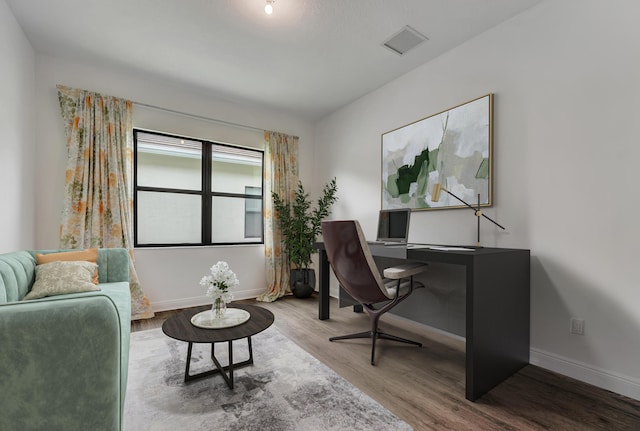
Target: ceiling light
{"points": [[268, 8]]}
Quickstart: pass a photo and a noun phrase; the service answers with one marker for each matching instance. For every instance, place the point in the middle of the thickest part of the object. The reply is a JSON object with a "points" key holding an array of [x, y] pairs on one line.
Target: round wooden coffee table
{"points": [[179, 326]]}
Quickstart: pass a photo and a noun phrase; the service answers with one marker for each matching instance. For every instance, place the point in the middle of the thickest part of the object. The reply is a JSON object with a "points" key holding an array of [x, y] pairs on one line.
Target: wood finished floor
{"points": [[425, 386]]}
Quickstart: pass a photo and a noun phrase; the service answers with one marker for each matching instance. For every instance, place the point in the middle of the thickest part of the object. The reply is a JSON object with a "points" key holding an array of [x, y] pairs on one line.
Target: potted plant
{"points": [[300, 225]]}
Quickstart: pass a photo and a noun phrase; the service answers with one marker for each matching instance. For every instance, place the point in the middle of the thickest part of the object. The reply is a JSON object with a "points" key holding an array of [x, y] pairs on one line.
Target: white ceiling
{"points": [[309, 57]]}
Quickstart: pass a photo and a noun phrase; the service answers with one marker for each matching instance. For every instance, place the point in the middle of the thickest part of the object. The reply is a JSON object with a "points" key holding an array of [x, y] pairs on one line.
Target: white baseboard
{"points": [[605, 379], [195, 301]]}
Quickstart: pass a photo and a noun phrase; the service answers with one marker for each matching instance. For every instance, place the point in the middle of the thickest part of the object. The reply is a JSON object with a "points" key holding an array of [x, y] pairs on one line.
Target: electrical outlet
{"points": [[577, 326]]}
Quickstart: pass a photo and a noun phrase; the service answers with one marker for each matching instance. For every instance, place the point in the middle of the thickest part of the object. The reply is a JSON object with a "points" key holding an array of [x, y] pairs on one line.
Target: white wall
{"points": [[565, 79], [169, 277], [17, 140]]}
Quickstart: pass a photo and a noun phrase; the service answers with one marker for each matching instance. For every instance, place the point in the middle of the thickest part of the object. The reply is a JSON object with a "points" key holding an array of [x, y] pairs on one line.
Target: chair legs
{"points": [[352, 336], [374, 334], [393, 338]]}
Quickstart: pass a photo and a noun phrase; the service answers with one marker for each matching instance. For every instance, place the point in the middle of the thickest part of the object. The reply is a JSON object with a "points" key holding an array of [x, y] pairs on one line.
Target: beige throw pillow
{"points": [[90, 255], [57, 278]]}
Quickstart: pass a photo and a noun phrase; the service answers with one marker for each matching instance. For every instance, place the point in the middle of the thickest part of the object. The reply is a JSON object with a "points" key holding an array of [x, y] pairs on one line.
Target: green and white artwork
{"points": [[452, 148]]}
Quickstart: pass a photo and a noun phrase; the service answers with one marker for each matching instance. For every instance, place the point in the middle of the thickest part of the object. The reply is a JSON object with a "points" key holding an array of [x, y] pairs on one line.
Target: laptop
{"points": [[393, 226]]}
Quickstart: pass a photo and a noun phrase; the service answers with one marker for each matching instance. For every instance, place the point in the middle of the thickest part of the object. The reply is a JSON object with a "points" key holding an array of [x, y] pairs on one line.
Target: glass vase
{"points": [[218, 308]]}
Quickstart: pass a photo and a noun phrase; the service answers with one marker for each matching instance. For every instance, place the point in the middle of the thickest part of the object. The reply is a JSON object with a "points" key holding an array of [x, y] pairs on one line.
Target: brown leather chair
{"points": [[353, 265]]}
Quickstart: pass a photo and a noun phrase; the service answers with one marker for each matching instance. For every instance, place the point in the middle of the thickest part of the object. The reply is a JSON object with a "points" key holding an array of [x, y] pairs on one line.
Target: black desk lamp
{"points": [[435, 197]]}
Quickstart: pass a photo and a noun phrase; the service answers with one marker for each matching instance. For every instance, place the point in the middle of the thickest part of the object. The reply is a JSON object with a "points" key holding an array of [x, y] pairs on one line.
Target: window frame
{"points": [[206, 193]]}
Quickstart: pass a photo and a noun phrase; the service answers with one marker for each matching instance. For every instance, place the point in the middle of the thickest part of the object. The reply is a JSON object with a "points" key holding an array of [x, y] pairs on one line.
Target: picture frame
{"points": [[453, 149]]}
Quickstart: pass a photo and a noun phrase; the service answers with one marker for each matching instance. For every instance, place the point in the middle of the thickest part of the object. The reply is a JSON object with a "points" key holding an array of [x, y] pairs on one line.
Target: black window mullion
{"points": [[168, 190], [236, 195], [206, 193]]}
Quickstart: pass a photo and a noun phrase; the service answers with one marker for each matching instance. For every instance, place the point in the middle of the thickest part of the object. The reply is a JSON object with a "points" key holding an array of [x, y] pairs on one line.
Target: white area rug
{"points": [[285, 389]]}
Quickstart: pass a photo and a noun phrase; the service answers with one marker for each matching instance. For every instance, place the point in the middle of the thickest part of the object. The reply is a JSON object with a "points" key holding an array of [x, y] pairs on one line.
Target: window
{"points": [[253, 213], [194, 192]]}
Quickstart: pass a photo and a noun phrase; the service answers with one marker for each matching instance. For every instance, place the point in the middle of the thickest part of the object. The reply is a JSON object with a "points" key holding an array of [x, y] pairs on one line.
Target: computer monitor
{"points": [[393, 225]]}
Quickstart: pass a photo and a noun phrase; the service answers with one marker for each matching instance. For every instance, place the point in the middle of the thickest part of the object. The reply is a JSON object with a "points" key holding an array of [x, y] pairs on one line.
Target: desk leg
{"points": [[497, 320], [323, 285]]}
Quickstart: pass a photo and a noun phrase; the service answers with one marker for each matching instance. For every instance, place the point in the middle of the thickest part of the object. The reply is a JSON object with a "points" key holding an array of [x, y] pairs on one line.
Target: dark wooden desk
{"points": [[497, 307]]}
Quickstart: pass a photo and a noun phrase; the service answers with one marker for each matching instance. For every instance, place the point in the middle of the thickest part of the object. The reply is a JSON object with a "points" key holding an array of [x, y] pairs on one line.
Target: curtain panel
{"points": [[281, 176], [98, 204]]}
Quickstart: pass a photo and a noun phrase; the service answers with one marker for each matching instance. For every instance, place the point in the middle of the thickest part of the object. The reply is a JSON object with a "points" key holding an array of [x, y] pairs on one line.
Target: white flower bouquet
{"points": [[218, 284]]}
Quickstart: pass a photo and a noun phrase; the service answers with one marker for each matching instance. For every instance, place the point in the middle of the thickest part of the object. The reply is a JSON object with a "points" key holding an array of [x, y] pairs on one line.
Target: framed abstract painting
{"points": [[452, 149]]}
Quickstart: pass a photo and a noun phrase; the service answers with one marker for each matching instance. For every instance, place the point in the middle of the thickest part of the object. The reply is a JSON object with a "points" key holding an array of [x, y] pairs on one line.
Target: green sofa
{"points": [[64, 358]]}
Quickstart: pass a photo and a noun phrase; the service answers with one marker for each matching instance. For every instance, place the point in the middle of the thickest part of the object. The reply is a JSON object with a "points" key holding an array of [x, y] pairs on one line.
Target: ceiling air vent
{"points": [[404, 40]]}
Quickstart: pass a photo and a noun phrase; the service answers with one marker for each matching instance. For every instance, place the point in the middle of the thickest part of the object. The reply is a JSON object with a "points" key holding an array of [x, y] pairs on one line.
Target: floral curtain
{"points": [[280, 176], [97, 209]]}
